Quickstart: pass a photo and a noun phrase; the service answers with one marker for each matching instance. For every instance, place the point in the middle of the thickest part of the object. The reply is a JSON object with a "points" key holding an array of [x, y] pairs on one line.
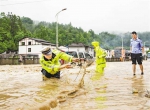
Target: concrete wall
{"points": [[15, 61]]}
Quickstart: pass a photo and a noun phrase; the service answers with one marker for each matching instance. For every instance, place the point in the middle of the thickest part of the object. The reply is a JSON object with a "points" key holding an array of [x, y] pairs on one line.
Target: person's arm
{"points": [[65, 66], [101, 53], [67, 57], [130, 49], [75, 60]]}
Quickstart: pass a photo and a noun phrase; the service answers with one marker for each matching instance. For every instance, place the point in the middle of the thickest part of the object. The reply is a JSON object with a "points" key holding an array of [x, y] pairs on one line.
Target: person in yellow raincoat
{"points": [[100, 58], [50, 62]]}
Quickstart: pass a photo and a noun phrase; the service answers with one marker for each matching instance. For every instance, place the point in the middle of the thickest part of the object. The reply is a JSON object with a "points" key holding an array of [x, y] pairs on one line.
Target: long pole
{"points": [[122, 50], [57, 26], [122, 43]]}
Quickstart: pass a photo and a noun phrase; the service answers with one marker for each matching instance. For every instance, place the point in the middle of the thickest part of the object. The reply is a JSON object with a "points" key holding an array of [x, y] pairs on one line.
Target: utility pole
{"points": [[57, 26]]}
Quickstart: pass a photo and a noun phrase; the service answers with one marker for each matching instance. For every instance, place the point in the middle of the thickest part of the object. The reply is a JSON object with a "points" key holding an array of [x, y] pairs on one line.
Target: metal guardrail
{"points": [[15, 61], [117, 59], [113, 59]]}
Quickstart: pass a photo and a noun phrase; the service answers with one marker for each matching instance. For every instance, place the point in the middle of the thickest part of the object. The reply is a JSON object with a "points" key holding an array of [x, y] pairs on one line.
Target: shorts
{"points": [[49, 75], [136, 58]]}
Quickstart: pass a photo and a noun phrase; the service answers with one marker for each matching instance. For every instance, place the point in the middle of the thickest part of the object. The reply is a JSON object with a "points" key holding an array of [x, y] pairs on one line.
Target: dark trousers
{"points": [[136, 58], [49, 75]]}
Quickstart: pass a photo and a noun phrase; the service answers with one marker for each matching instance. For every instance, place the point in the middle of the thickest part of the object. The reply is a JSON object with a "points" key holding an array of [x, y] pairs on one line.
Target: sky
{"points": [[98, 15]]}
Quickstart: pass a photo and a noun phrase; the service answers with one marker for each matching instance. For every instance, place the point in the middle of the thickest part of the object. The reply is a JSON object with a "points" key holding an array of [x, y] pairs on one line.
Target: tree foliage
{"points": [[13, 28]]}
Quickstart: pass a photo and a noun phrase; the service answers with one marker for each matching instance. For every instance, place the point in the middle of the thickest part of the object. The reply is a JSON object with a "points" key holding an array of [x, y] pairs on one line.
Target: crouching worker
{"points": [[50, 62], [100, 59]]}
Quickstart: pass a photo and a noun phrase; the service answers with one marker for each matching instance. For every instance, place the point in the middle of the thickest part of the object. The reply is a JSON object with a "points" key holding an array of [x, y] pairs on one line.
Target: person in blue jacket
{"points": [[136, 48]]}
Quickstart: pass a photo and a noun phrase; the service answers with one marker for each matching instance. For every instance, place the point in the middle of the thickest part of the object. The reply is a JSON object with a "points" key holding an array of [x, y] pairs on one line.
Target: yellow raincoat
{"points": [[100, 57], [52, 66]]}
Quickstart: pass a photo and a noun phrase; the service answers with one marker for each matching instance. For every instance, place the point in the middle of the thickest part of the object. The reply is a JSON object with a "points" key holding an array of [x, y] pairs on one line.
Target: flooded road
{"points": [[22, 88]]}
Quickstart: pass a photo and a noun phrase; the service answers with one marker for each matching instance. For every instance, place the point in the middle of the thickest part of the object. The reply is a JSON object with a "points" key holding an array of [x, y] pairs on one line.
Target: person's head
{"points": [[134, 35], [47, 52], [95, 44]]}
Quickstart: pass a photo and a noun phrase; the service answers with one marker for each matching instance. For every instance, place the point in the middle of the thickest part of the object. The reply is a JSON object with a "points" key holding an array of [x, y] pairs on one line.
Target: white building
{"points": [[32, 46], [79, 47], [109, 54]]}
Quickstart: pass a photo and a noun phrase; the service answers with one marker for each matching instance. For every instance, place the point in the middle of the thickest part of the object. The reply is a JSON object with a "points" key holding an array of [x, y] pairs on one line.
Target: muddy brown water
{"points": [[22, 88]]}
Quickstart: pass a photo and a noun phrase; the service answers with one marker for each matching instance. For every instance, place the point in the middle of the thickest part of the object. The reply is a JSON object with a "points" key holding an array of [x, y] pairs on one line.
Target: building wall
{"points": [[91, 51], [80, 49], [108, 54], [33, 49]]}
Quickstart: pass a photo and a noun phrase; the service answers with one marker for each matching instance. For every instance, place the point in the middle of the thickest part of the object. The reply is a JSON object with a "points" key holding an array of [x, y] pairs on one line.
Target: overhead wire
{"points": [[23, 2]]}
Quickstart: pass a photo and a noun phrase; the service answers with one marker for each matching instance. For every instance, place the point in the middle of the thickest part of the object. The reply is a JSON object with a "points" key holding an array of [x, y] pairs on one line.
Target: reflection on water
{"points": [[138, 85], [100, 90], [120, 84], [22, 86], [100, 101], [48, 90]]}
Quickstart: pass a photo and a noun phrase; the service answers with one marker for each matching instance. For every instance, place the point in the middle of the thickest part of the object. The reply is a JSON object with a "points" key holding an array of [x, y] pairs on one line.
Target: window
{"points": [[22, 43], [29, 43], [29, 49]]}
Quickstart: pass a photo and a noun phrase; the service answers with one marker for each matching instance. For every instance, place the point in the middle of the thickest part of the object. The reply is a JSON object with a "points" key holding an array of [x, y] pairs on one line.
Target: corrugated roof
{"points": [[40, 41], [76, 45]]}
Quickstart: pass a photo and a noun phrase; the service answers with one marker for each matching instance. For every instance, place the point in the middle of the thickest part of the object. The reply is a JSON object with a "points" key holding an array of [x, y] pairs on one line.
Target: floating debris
{"points": [[135, 91], [147, 94]]}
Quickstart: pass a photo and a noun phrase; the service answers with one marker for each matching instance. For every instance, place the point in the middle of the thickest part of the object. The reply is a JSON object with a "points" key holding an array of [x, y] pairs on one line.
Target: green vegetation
{"points": [[13, 28]]}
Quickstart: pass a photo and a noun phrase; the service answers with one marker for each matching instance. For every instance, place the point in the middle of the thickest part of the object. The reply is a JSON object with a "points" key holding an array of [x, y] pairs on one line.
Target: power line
{"points": [[23, 3]]}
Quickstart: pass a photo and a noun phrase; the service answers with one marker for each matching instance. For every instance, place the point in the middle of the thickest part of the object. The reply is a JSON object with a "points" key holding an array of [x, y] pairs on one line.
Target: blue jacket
{"points": [[136, 46]]}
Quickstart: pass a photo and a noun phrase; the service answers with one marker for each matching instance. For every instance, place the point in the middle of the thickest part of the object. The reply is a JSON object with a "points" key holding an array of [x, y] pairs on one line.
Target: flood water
{"points": [[22, 88]]}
